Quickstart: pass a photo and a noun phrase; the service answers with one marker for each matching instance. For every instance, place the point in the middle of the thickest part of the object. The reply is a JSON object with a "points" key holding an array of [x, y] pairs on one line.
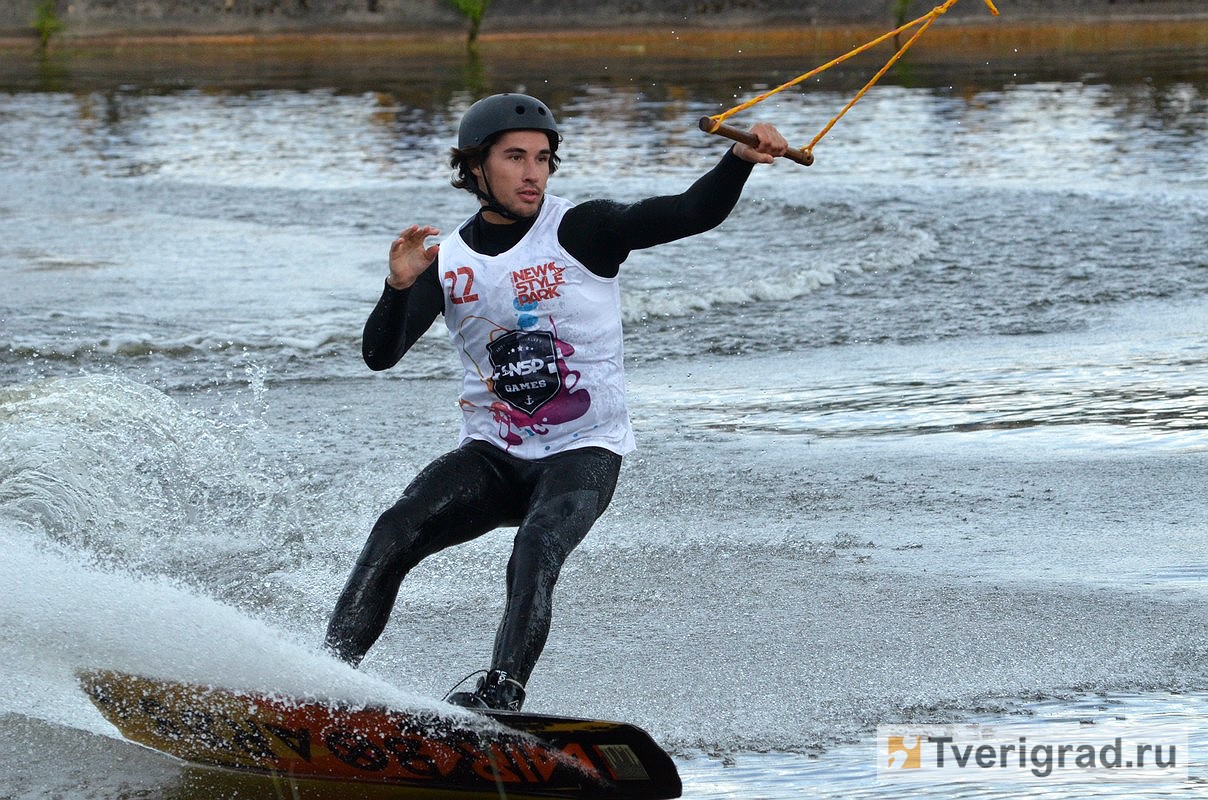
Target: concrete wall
{"points": [[92, 17]]}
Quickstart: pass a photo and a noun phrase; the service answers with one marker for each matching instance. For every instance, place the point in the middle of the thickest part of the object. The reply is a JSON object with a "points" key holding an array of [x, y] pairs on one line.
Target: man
{"points": [[528, 289]]}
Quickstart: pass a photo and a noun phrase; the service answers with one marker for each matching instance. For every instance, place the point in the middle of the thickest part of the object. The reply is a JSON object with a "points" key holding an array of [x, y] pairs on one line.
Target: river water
{"points": [[923, 428]]}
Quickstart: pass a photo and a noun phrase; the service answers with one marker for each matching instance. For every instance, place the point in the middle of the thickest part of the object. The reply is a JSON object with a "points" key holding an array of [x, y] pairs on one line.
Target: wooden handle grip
{"points": [[738, 135]]}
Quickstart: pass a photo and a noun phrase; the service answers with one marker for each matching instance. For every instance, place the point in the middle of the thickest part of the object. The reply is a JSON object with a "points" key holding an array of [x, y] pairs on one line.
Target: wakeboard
{"points": [[377, 752]]}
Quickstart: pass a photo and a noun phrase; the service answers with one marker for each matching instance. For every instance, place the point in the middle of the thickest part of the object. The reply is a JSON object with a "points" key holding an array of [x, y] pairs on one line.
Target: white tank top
{"points": [[539, 337]]}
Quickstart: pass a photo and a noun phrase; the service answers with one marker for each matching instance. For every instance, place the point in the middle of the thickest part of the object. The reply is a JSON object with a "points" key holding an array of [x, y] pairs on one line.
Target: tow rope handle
{"points": [[805, 155], [710, 125]]}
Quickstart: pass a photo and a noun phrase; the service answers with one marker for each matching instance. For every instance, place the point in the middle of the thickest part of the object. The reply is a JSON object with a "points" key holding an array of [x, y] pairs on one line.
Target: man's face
{"points": [[517, 168]]}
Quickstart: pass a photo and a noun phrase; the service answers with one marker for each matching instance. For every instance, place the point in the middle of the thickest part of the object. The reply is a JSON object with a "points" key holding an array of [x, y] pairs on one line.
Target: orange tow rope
{"points": [[923, 23]]}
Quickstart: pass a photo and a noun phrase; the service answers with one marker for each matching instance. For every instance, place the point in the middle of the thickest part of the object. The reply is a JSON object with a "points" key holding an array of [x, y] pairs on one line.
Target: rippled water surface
{"points": [[922, 427]]}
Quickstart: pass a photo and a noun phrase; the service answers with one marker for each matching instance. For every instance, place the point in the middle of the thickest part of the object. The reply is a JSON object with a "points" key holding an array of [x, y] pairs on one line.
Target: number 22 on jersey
{"points": [[460, 284]]}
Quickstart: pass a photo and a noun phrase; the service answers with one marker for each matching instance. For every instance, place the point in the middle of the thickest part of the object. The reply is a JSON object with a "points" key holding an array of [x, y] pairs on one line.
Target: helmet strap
{"points": [[488, 197]]}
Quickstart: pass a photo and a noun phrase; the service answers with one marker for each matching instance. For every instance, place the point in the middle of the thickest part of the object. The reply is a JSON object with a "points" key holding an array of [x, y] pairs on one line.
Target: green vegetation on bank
{"points": [[472, 10], [46, 23]]}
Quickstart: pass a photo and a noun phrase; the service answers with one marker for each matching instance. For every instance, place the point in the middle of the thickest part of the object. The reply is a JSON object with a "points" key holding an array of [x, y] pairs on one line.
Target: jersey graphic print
{"points": [[530, 376], [534, 284], [526, 368]]}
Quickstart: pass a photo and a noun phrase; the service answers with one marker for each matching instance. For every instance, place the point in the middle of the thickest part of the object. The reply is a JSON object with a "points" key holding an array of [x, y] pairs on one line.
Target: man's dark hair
{"points": [[464, 159]]}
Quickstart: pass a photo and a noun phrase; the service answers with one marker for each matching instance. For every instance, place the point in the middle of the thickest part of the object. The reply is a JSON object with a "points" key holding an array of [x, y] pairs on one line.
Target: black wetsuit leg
{"points": [[569, 493], [458, 497]]}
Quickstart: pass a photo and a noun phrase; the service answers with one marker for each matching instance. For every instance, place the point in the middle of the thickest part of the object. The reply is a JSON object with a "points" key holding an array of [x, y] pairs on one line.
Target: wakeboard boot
{"points": [[497, 691]]}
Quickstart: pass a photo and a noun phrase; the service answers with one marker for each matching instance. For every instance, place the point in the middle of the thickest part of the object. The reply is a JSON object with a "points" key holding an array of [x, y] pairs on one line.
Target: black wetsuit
{"points": [[555, 500]]}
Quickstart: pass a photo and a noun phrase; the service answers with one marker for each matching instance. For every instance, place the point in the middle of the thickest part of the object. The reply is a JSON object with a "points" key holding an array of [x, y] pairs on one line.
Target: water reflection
{"points": [[53, 73], [134, 131], [422, 72], [414, 98]]}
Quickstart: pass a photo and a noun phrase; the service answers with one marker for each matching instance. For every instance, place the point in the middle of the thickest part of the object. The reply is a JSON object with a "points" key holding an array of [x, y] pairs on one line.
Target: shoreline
{"points": [[963, 38]]}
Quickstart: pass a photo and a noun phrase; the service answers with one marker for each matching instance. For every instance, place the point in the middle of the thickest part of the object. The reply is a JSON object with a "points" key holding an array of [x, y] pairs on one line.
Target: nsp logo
{"points": [[525, 367]]}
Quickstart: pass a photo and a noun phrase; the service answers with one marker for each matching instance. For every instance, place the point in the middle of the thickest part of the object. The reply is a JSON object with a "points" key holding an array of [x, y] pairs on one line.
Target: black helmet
{"points": [[504, 112]]}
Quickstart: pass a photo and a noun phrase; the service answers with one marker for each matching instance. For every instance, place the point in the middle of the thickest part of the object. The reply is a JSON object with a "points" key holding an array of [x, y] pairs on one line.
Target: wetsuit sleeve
{"points": [[400, 317], [601, 233]]}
